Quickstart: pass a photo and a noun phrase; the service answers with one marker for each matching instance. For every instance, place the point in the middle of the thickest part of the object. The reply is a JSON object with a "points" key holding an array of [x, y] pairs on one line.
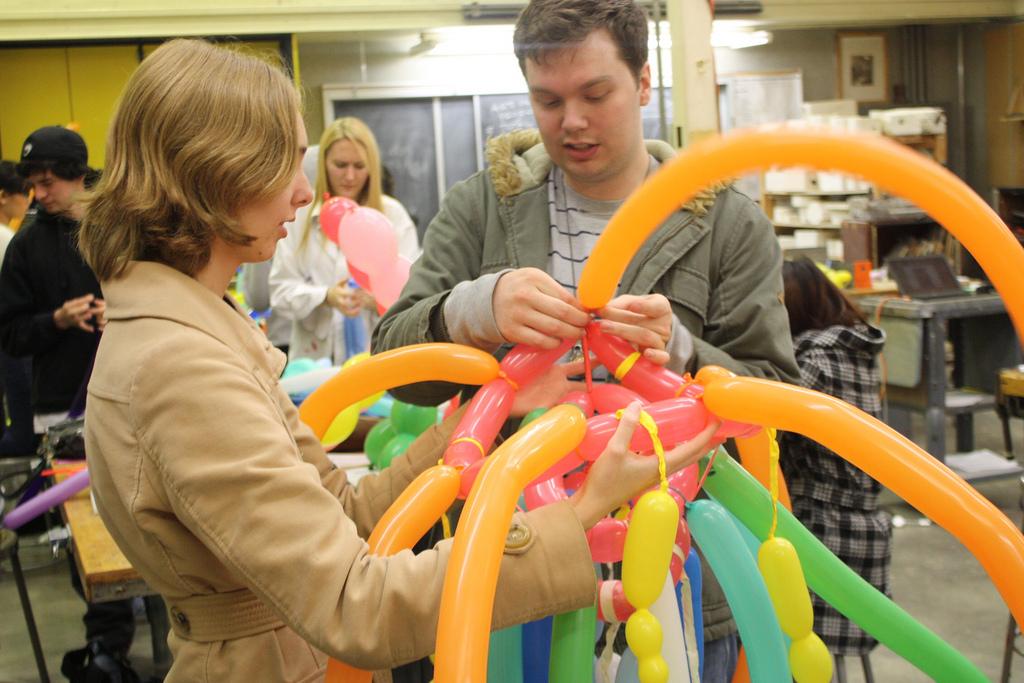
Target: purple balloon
{"points": [[51, 497]]}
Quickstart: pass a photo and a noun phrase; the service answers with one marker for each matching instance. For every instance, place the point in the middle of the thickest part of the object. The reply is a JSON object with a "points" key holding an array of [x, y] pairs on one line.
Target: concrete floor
{"points": [[934, 578]]}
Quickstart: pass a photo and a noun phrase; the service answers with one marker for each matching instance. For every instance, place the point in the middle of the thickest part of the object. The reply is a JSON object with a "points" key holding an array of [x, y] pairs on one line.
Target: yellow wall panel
{"points": [[1004, 74], [98, 75], [34, 82]]}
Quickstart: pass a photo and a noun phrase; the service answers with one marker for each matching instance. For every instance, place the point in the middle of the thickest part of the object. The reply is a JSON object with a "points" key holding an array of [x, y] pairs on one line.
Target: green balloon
{"points": [[398, 444], [531, 416], [410, 419], [837, 584], [377, 438], [572, 645]]}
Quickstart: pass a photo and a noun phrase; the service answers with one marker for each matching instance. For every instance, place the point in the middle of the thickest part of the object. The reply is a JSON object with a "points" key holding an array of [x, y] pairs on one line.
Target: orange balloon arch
{"points": [[471, 576]]}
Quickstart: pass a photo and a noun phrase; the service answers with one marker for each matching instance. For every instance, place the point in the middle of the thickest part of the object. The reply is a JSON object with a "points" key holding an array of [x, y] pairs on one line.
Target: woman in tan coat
{"points": [[218, 495]]}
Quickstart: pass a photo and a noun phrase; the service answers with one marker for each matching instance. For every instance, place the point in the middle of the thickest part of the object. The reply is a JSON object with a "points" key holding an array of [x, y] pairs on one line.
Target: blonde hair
{"points": [[355, 131], [198, 132]]}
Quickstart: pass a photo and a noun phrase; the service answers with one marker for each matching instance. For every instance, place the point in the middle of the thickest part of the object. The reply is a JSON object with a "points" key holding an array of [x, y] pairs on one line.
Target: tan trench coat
{"points": [[229, 508]]}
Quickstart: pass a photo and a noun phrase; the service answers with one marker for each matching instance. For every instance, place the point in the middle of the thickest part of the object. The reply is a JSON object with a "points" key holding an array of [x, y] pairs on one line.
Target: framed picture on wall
{"points": [[863, 66]]}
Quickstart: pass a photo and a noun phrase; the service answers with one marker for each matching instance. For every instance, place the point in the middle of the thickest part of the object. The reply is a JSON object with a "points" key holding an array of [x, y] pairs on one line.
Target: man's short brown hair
{"points": [[549, 25]]}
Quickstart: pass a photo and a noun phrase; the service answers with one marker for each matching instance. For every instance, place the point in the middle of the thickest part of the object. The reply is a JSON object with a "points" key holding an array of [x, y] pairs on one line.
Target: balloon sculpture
{"points": [[553, 451]]}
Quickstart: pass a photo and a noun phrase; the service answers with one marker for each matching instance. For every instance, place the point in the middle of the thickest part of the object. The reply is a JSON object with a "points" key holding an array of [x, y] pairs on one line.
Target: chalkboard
{"points": [[504, 113], [404, 129]]}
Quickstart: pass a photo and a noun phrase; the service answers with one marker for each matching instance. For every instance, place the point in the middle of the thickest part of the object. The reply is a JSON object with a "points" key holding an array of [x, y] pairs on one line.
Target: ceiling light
{"points": [[737, 40], [428, 41]]}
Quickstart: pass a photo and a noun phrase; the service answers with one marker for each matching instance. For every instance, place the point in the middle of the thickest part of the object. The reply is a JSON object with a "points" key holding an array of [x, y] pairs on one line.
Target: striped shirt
{"points": [[576, 224]]}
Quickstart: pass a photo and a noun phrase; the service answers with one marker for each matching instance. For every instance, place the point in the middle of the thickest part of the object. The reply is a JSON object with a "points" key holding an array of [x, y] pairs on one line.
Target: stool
{"points": [[1009, 401], [840, 669], [1010, 648], [9, 547]]}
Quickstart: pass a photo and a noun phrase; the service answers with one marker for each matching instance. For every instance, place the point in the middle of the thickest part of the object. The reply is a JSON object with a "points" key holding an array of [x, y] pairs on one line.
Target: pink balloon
{"points": [[609, 398], [475, 433], [361, 278], [523, 363], [386, 282], [368, 241], [331, 213], [581, 399], [607, 539]]}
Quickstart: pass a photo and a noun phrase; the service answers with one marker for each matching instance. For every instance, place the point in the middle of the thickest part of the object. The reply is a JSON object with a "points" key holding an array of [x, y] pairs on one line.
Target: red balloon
{"points": [[331, 213]]}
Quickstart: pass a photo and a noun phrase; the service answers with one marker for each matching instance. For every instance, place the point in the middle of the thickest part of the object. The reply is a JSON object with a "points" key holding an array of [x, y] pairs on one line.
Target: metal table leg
{"points": [[9, 544]]}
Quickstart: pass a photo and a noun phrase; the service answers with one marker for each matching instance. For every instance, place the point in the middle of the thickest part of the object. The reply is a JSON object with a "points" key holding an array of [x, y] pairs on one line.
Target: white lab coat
{"points": [[300, 278]]}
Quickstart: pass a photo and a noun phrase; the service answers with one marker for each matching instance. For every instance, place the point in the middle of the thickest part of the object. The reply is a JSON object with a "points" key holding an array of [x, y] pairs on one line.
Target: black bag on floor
{"points": [[93, 664]]}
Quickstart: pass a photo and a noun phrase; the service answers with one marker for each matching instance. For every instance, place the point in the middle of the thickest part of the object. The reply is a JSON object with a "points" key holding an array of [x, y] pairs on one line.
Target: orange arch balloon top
{"points": [[887, 164], [407, 365]]}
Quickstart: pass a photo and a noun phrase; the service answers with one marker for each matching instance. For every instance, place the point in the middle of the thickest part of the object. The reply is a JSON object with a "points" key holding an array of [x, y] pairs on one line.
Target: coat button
{"points": [[518, 536], [181, 618]]}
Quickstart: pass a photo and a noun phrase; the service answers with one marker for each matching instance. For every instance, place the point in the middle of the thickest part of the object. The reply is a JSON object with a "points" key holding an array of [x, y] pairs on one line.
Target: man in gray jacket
{"points": [[502, 258]]}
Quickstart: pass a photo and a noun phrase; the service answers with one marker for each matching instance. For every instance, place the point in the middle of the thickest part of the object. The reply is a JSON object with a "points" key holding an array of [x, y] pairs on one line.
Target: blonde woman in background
{"points": [[309, 279]]}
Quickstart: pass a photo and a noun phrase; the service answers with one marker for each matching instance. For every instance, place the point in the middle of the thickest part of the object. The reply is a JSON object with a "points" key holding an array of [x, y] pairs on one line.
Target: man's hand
{"points": [[552, 385], [643, 321], [79, 312], [344, 298], [531, 308]]}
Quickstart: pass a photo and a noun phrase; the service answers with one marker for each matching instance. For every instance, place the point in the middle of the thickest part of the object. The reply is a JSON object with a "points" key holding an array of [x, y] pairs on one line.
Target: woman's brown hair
{"points": [[813, 302], [199, 131]]}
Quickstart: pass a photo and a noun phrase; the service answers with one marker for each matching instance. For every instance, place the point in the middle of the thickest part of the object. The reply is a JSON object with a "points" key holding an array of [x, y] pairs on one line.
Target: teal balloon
{"points": [[735, 569], [398, 444], [572, 645], [505, 656], [377, 438], [298, 367], [410, 419], [836, 583], [531, 416]]}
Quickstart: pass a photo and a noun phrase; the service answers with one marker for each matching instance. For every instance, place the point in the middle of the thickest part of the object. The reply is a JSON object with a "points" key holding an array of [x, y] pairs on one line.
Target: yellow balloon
{"points": [[643, 633], [784, 578], [359, 358], [810, 661], [652, 670], [341, 427], [648, 550]]}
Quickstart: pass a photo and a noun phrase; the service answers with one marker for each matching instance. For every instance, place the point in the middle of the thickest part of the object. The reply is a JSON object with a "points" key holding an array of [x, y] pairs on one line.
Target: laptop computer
{"points": [[924, 277]]}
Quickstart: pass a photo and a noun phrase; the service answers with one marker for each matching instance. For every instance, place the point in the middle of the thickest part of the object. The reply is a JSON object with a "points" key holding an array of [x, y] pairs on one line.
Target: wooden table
{"points": [[106, 574]]}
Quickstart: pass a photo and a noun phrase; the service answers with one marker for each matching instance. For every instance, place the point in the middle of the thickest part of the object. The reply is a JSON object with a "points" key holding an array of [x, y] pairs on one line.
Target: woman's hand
{"points": [[344, 298], [620, 474]]}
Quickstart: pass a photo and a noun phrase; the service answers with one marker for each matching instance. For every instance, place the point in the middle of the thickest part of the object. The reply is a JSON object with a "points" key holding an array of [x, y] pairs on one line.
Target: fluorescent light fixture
{"points": [[728, 35], [737, 40]]}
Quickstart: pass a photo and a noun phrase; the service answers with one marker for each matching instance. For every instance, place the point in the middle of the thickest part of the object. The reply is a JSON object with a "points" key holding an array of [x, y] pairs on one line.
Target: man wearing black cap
{"points": [[51, 309]]}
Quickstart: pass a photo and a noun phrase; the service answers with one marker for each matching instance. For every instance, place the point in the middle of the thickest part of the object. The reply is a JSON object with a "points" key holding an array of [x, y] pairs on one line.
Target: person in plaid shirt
{"points": [[835, 348]]}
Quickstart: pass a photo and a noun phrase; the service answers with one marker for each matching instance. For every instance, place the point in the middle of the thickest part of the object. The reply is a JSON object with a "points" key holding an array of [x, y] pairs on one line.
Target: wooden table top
{"points": [[106, 573]]}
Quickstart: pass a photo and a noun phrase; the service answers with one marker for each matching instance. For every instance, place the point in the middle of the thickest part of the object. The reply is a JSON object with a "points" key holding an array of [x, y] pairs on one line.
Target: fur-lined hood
{"points": [[518, 161]]}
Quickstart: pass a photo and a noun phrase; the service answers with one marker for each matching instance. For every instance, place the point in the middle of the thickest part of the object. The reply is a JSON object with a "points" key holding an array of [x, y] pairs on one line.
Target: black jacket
{"points": [[41, 270]]}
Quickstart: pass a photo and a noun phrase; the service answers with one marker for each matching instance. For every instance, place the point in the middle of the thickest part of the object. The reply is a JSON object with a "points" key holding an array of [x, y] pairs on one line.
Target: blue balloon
{"points": [[692, 569], [728, 557], [537, 650]]}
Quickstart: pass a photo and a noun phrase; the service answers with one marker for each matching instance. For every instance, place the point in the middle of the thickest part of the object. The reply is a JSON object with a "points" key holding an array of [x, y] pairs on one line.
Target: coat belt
{"points": [[221, 616]]}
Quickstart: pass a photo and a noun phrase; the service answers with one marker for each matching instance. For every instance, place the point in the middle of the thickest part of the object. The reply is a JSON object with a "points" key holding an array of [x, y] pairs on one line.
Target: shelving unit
{"points": [[860, 239]]}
